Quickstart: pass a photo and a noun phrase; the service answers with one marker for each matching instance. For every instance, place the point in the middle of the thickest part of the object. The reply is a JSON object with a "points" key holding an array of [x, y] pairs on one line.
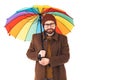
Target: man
{"points": [[54, 55]]}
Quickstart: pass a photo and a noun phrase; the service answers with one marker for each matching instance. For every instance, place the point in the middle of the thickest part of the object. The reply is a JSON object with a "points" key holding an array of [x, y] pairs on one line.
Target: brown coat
{"points": [[59, 56]]}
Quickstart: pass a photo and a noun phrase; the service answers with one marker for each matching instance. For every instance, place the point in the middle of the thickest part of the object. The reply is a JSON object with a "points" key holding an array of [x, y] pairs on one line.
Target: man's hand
{"points": [[44, 61], [42, 53]]}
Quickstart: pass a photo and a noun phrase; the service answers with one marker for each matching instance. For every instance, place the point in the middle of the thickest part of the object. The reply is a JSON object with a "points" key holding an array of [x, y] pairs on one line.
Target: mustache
{"points": [[50, 29]]}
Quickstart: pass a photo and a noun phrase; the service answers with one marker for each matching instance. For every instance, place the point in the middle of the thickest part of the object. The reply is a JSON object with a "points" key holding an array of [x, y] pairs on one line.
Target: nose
{"points": [[49, 26]]}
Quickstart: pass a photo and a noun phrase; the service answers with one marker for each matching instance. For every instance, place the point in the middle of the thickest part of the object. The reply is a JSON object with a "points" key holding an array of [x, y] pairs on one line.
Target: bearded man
{"points": [[54, 55]]}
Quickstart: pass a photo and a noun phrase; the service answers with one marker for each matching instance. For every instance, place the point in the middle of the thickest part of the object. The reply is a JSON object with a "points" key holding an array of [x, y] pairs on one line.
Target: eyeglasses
{"points": [[51, 24]]}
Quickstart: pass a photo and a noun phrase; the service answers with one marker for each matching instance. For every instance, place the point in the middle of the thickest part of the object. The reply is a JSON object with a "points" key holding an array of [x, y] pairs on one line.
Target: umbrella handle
{"points": [[39, 57]]}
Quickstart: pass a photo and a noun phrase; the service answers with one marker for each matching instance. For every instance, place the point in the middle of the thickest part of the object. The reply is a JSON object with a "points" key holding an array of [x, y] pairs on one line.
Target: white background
{"points": [[94, 41]]}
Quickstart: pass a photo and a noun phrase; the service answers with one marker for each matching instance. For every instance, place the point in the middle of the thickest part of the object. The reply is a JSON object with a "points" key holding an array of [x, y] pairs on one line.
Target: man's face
{"points": [[49, 26]]}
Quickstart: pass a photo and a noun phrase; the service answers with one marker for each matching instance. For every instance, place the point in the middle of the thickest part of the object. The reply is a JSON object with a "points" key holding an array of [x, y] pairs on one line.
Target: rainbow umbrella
{"points": [[27, 21]]}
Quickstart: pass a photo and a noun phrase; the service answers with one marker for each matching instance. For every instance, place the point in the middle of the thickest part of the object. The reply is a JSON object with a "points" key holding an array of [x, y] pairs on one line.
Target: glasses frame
{"points": [[50, 24]]}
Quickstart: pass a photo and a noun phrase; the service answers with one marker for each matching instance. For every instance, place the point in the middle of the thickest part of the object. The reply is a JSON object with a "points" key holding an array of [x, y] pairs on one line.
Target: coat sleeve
{"points": [[64, 55], [32, 52]]}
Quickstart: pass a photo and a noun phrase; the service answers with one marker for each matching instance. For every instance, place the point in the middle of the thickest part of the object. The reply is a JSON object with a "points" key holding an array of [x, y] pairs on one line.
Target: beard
{"points": [[50, 31]]}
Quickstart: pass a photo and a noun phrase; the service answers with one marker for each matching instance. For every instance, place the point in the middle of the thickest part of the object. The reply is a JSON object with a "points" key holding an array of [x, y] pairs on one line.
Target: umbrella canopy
{"points": [[27, 21]]}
